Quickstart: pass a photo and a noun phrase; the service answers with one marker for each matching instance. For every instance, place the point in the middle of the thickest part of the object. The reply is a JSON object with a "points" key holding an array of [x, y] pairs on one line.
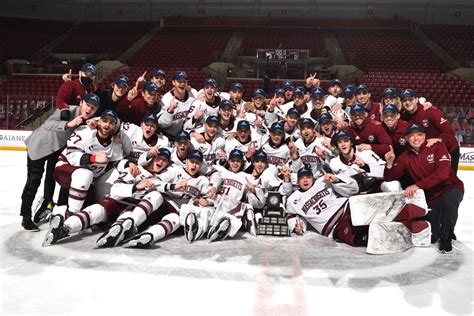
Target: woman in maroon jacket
{"points": [[429, 165]]}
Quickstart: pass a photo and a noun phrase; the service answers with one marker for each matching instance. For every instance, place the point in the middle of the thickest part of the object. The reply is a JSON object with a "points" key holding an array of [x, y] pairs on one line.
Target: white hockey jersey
{"points": [[173, 123], [276, 155], [375, 165], [210, 150], [196, 187], [135, 133], [84, 141], [320, 206]]}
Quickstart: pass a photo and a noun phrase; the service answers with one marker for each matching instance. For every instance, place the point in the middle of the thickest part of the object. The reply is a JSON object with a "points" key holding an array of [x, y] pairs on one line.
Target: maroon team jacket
{"points": [[430, 169], [371, 132], [434, 124], [397, 135], [71, 93], [133, 112], [374, 109]]}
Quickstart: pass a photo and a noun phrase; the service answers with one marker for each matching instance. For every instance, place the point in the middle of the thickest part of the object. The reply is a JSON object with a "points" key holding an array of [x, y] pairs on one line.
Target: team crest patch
{"points": [[371, 138], [402, 141], [425, 123], [372, 117], [430, 158]]}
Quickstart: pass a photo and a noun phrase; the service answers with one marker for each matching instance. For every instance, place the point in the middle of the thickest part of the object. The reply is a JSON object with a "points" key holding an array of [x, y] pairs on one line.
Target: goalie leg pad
{"points": [[391, 237]]}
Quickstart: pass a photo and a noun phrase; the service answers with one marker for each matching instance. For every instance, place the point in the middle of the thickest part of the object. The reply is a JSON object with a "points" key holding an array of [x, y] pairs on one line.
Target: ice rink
{"points": [[309, 275]]}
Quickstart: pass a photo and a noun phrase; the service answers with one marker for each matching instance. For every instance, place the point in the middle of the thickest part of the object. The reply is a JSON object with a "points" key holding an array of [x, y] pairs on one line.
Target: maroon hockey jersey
{"points": [[71, 93], [371, 132]]}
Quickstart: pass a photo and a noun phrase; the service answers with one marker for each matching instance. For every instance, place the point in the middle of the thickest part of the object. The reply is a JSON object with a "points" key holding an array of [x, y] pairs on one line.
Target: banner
{"points": [[13, 139], [466, 160]]}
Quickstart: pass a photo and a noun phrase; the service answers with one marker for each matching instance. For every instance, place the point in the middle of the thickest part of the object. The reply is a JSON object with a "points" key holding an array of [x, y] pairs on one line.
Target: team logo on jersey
{"points": [[425, 123], [372, 117], [402, 141], [371, 138], [91, 147], [357, 137], [430, 158], [445, 158]]}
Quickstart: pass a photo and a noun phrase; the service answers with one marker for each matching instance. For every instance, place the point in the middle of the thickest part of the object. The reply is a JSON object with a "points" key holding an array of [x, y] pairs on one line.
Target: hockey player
{"points": [[364, 166], [289, 88], [275, 146], [299, 103], [147, 102], [324, 205], [429, 167], [177, 107], [256, 109], [236, 186], [246, 140], [128, 222], [436, 126], [182, 146], [194, 191], [140, 188], [158, 76], [214, 142], [207, 100], [395, 128], [367, 133], [45, 144], [236, 93], [89, 154], [144, 137]]}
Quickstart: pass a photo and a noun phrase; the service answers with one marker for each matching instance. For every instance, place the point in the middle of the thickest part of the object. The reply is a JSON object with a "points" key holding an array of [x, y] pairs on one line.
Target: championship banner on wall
{"points": [[13, 139]]}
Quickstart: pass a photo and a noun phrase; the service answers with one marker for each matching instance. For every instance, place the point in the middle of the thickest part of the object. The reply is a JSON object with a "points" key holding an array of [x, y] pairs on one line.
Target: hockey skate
{"points": [[220, 231], [249, 222], [43, 212], [142, 240], [191, 227], [56, 230], [116, 234]]}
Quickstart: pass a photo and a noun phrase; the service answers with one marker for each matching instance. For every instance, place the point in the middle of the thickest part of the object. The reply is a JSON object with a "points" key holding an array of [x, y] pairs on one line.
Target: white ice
{"points": [[309, 275]]}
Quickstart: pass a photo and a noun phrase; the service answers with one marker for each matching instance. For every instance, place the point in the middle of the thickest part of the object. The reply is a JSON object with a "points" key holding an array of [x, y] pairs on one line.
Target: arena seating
{"points": [[104, 37], [20, 38], [309, 38], [387, 49], [192, 47], [440, 89], [457, 40]]}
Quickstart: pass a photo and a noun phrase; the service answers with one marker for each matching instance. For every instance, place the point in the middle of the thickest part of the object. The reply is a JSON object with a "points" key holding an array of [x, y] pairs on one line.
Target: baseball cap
{"points": [[288, 85], [415, 127], [92, 98], [236, 86], [226, 104], [165, 153], [235, 153], [111, 114], [210, 82], [150, 117], [299, 91], [357, 108], [195, 154], [317, 93], [180, 75], [389, 108], [362, 87], [183, 135], [277, 127], [306, 122], [258, 93], [293, 111], [158, 73], [260, 155], [244, 124], [325, 117], [343, 134], [391, 91], [335, 82], [212, 119], [89, 67], [305, 171], [279, 91], [150, 86], [122, 79], [407, 93], [349, 91]]}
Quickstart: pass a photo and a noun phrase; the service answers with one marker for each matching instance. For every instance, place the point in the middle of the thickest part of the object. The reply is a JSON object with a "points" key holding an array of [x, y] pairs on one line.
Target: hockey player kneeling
{"points": [[139, 192], [324, 204]]}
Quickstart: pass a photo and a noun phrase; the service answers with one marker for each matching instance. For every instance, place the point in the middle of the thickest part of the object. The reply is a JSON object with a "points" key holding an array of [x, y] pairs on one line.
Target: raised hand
{"points": [[102, 158], [390, 157], [132, 93], [67, 76], [140, 80], [250, 187], [75, 122]]}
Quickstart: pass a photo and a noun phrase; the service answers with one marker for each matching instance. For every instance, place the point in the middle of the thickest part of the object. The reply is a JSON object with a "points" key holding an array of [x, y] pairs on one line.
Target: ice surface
{"points": [[309, 275]]}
